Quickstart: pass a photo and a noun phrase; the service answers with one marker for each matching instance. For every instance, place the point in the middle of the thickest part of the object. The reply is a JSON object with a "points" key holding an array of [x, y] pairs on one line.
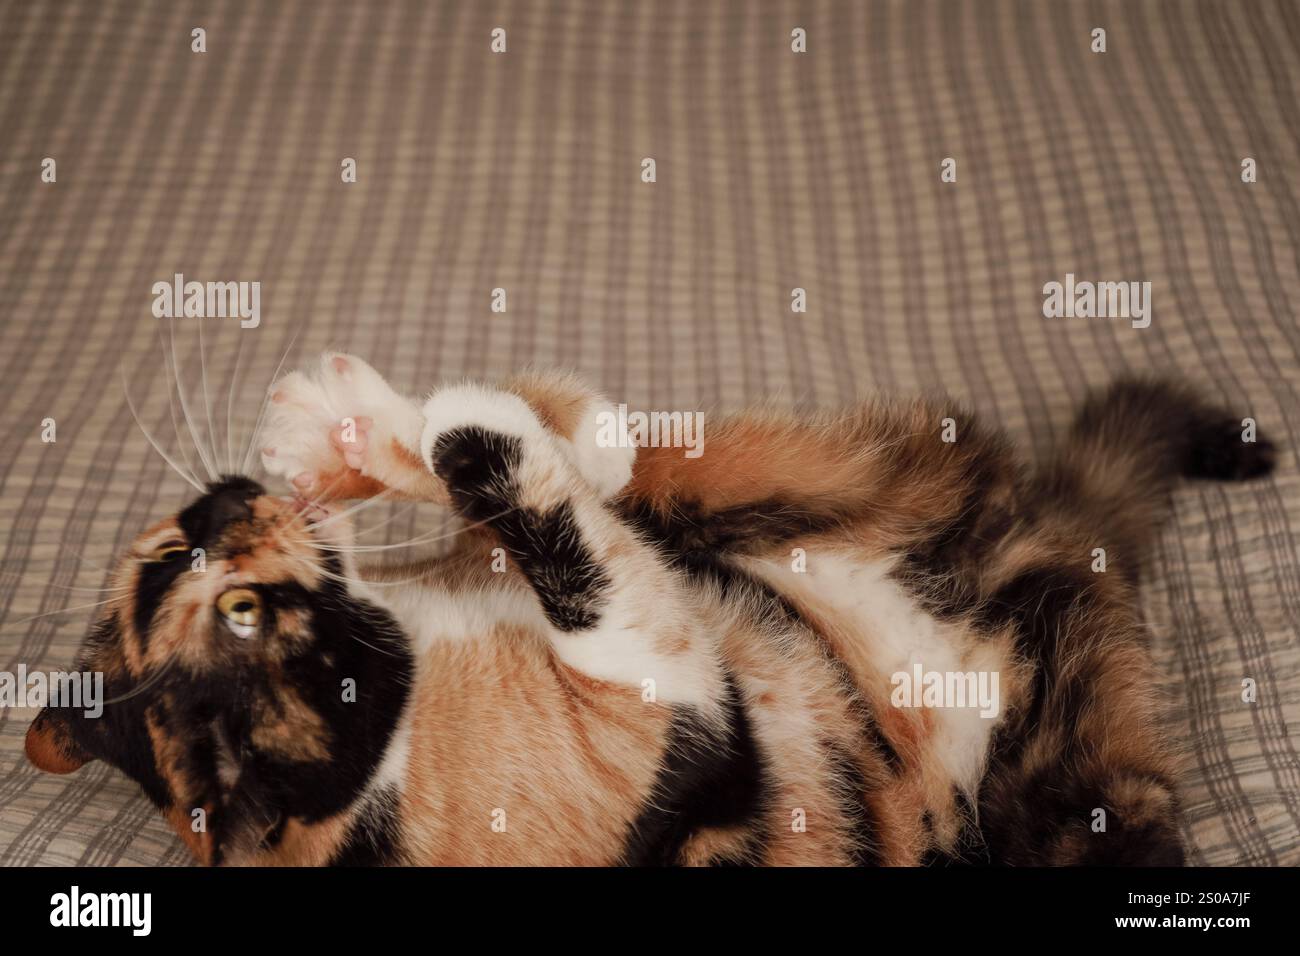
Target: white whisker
{"points": [[420, 539], [75, 587], [316, 501], [158, 448], [257, 425], [207, 405], [62, 610], [145, 684], [429, 537], [354, 582], [185, 408], [361, 582], [367, 503], [230, 399], [171, 406], [387, 521]]}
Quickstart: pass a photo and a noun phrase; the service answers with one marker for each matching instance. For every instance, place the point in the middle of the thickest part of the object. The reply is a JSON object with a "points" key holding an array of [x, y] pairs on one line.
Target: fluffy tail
{"points": [[1134, 440]]}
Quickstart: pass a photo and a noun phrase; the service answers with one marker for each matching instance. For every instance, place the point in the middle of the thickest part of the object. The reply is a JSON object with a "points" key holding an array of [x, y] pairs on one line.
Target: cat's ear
{"points": [[50, 745]]}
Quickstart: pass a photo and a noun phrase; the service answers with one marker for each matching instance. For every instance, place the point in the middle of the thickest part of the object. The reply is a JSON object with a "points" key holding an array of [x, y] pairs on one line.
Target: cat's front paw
{"points": [[488, 447], [338, 430]]}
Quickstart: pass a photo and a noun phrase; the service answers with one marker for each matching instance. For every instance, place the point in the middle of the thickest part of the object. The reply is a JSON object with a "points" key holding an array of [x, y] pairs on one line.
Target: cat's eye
{"points": [[241, 609], [168, 550]]}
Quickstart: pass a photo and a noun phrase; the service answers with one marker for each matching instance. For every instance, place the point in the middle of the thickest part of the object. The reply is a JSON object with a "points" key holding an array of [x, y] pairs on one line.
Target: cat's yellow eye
{"points": [[168, 550], [241, 609]]}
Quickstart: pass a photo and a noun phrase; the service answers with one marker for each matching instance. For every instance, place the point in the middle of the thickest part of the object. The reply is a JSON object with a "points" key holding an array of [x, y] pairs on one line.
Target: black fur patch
{"points": [[853, 800], [154, 580], [120, 736], [1040, 602], [212, 715], [689, 529], [1062, 803], [1158, 430], [941, 570], [227, 500], [479, 469], [704, 781], [558, 564], [969, 849], [353, 640], [1217, 452]]}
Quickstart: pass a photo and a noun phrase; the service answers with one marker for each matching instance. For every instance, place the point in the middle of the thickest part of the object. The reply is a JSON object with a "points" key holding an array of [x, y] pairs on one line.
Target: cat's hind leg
{"points": [[1083, 772]]}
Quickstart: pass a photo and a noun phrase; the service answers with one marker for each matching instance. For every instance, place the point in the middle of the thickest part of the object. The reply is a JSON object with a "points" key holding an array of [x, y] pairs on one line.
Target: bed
{"points": [[920, 172]]}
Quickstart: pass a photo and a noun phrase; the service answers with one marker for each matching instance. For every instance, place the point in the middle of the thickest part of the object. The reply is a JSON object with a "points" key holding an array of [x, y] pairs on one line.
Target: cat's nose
{"points": [[227, 505], [227, 500]]}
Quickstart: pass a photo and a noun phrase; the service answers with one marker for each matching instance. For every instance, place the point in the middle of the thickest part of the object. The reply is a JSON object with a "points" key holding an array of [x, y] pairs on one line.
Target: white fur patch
{"points": [[623, 654], [431, 615], [461, 406], [612, 651], [899, 634], [607, 469], [391, 772]]}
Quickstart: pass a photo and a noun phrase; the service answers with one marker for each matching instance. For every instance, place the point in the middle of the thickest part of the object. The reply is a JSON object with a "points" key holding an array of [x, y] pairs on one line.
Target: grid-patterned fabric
{"points": [[774, 170]]}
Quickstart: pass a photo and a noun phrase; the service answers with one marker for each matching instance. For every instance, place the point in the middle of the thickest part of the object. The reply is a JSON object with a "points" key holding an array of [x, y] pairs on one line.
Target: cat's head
{"points": [[247, 683]]}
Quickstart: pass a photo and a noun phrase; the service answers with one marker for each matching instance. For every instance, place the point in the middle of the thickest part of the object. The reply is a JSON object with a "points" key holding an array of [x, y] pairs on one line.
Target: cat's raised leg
{"points": [[614, 610], [525, 461], [336, 430]]}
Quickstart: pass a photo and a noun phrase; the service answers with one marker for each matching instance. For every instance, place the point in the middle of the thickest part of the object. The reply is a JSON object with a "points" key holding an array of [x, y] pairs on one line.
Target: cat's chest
{"points": [[434, 616], [934, 679]]}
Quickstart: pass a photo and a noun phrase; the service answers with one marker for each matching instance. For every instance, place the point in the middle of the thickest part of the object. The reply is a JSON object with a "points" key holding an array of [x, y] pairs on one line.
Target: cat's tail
{"points": [[1135, 439]]}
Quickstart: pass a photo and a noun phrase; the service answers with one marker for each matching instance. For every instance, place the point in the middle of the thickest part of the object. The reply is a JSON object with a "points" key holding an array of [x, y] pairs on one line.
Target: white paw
{"points": [[606, 466], [605, 463], [478, 406], [321, 421]]}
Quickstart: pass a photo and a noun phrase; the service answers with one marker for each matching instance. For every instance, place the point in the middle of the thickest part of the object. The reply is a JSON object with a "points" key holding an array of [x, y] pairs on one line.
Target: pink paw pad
{"points": [[351, 437]]}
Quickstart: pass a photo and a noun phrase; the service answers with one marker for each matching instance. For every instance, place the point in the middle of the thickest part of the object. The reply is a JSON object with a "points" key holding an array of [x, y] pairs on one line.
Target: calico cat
{"points": [[638, 657]]}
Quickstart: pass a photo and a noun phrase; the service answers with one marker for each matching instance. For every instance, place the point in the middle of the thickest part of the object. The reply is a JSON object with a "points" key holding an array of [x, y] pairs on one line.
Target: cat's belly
{"points": [[931, 683]]}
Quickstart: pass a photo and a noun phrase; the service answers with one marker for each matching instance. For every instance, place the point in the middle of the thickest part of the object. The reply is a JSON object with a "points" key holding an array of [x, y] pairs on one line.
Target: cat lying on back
{"points": [[638, 657]]}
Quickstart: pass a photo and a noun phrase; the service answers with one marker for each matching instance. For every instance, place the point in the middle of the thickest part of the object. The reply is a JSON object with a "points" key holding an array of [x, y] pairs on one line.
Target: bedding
{"points": [[914, 182]]}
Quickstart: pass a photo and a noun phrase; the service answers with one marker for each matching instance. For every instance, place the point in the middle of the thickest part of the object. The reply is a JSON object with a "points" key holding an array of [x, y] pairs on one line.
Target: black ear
{"points": [[50, 744]]}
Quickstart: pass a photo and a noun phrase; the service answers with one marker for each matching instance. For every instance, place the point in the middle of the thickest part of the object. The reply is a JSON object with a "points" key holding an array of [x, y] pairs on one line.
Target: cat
{"points": [[637, 657]]}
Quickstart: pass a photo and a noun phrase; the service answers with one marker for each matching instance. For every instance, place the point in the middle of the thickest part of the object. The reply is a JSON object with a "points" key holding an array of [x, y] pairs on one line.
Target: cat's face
{"points": [[247, 684]]}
